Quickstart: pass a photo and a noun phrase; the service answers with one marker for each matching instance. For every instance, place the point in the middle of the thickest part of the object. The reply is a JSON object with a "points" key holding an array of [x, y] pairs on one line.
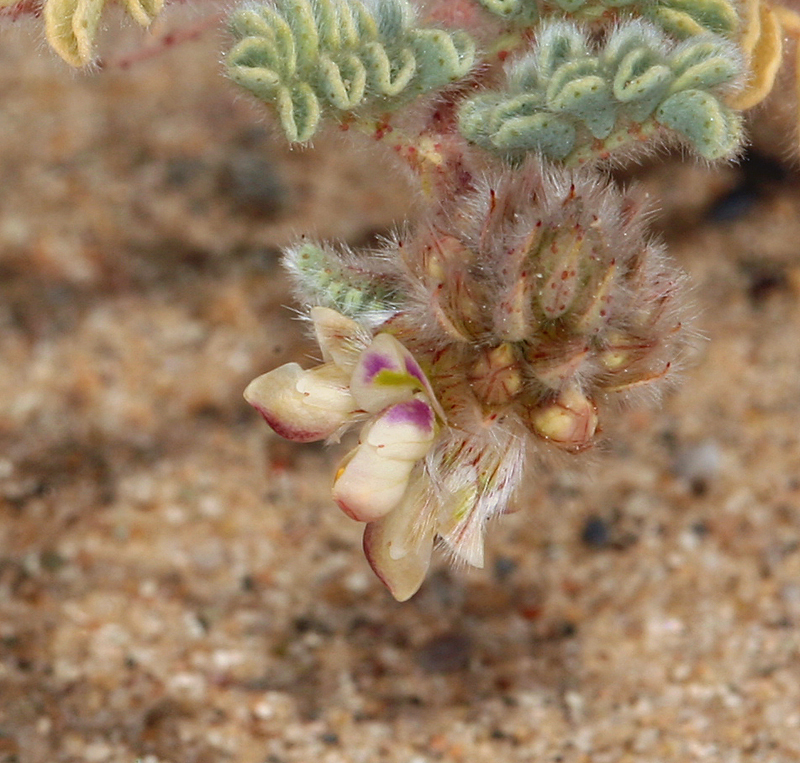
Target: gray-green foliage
{"points": [[338, 280], [309, 56], [681, 18], [564, 94]]}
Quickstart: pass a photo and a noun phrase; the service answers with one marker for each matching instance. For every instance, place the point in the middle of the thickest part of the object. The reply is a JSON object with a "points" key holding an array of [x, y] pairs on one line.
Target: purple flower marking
{"points": [[374, 363], [412, 367], [416, 412]]}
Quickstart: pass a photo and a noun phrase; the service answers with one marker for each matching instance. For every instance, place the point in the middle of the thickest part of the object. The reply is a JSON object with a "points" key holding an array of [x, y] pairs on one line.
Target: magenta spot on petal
{"points": [[414, 370], [374, 363], [289, 432], [416, 412], [368, 544], [352, 513]]}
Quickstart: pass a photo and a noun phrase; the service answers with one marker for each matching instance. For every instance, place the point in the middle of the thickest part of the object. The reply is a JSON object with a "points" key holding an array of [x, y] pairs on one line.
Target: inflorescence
{"points": [[528, 299]]}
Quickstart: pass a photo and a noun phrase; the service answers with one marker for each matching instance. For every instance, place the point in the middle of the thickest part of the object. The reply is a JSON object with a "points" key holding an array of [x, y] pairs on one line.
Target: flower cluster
{"points": [[528, 299], [376, 381], [519, 311]]}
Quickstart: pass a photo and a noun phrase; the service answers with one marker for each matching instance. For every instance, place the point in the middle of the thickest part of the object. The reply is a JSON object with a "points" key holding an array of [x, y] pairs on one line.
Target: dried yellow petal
{"points": [[71, 25], [765, 60], [144, 11], [58, 17]]}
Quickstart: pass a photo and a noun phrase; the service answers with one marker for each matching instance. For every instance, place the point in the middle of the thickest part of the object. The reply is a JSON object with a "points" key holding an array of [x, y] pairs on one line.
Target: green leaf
{"points": [[330, 57], [712, 128], [571, 94]]}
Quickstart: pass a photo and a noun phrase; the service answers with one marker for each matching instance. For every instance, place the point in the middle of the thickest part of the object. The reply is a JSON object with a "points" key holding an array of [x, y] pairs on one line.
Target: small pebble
{"points": [[595, 533], [253, 184], [445, 654], [503, 567], [698, 464]]}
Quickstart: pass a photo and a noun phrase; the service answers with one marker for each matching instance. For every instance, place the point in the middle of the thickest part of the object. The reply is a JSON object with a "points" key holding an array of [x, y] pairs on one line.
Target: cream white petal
{"points": [[368, 485], [340, 338], [386, 373], [404, 431], [299, 405], [326, 387], [398, 547]]}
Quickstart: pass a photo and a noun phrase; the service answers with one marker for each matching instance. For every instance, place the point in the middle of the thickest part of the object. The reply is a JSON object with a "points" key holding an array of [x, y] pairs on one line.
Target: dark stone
{"points": [[503, 567], [252, 184], [447, 653], [596, 533]]}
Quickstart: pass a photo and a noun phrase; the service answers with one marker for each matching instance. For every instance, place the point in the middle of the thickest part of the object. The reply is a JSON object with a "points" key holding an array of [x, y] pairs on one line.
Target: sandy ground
{"points": [[175, 583]]}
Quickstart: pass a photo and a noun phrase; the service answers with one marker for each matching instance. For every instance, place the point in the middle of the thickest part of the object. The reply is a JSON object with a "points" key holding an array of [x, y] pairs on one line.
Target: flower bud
{"points": [[495, 376], [570, 421]]}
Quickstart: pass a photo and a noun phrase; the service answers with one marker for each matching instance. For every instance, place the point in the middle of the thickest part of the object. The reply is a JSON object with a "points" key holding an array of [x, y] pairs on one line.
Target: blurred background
{"points": [[176, 585]]}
